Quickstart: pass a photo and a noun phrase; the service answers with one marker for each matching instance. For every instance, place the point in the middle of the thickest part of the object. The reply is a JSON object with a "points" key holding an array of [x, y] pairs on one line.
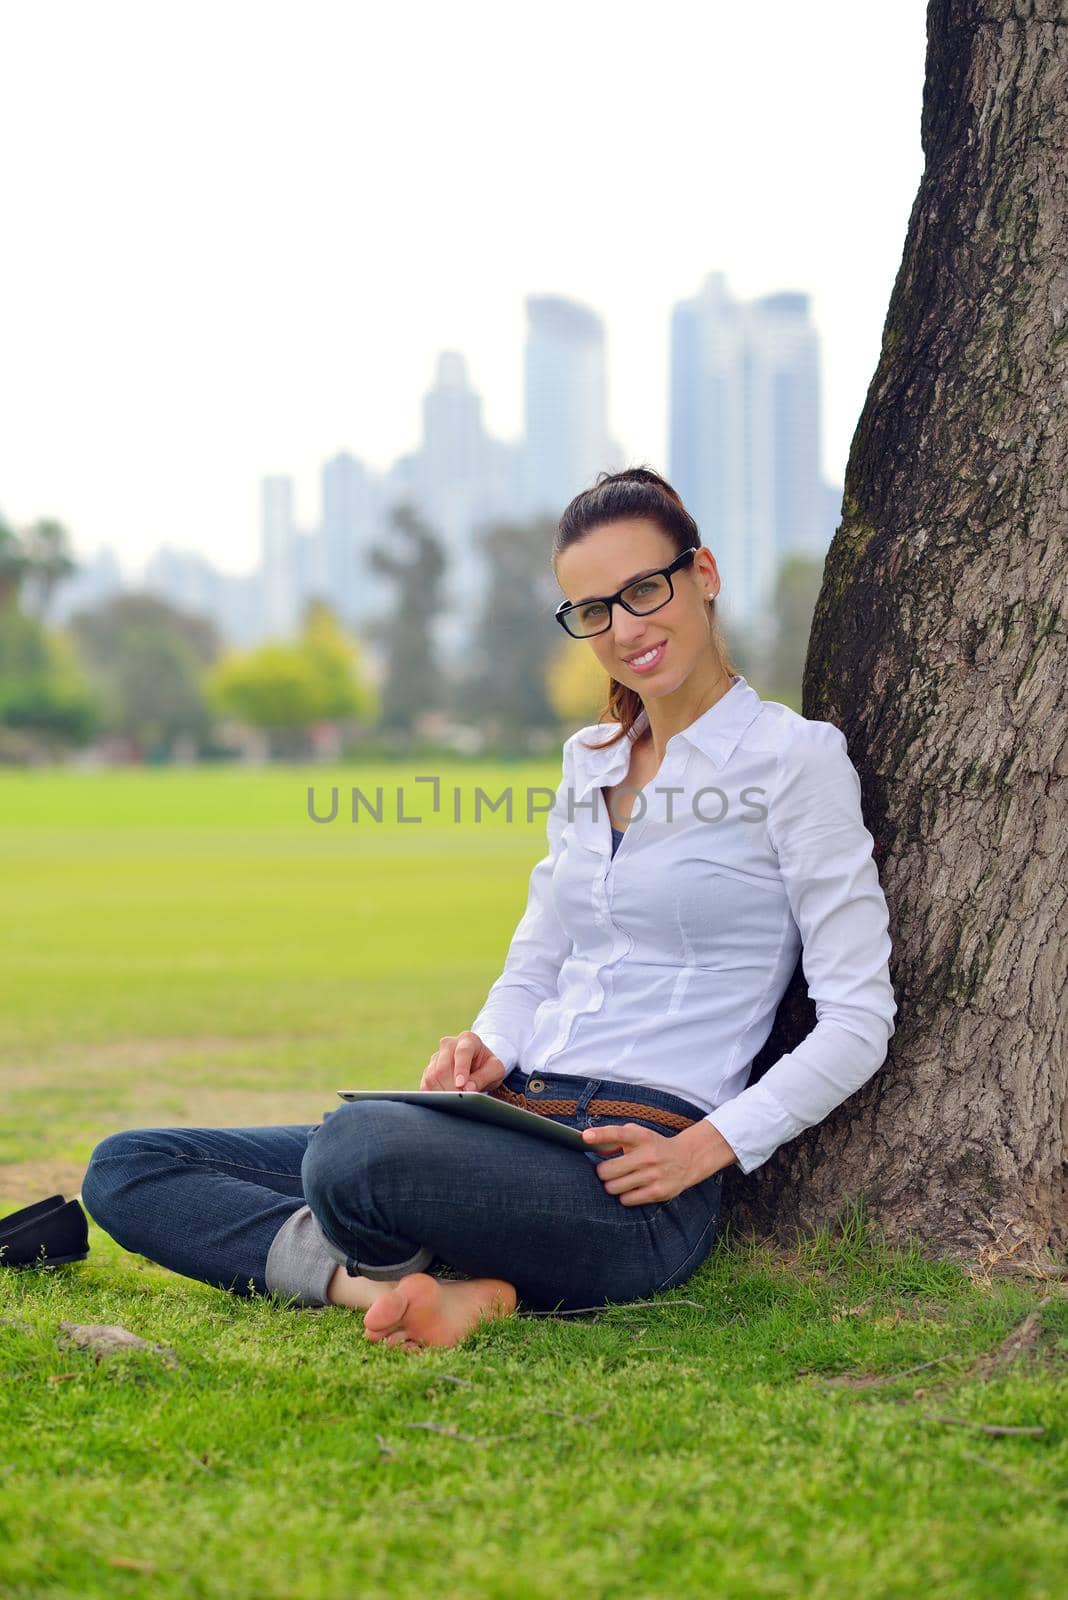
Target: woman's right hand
{"points": [[462, 1061]]}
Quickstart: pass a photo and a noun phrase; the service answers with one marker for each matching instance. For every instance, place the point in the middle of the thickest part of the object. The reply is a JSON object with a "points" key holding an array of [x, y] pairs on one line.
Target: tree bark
{"points": [[937, 648]]}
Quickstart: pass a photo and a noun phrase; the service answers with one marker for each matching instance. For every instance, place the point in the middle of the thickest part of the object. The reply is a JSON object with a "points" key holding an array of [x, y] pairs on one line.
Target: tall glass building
{"points": [[745, 435], [565, 434]]}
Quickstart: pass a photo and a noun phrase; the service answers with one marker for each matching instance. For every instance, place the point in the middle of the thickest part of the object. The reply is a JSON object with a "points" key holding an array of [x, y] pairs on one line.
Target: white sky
{"points": [[235, 236]]}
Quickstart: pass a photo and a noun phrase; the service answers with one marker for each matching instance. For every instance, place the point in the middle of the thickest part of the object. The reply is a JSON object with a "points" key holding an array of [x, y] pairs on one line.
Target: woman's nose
{"points": [[630, 639]]}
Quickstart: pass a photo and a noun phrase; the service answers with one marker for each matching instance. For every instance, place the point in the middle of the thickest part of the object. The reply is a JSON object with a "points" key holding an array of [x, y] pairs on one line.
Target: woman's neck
{"points": [[664, 725]]}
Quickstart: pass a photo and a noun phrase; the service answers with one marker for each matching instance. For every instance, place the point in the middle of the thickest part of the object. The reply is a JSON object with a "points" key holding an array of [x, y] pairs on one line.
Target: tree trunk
{"points": [[937, 648]]}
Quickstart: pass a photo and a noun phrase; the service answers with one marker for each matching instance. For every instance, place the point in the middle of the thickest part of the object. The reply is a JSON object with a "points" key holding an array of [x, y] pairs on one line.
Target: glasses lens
{"points": [[648, 593], [587, 619], [645, 595]]}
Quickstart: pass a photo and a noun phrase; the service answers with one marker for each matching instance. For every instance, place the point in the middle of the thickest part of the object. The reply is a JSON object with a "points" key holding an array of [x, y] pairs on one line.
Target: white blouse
{"points": [[664, 964]]}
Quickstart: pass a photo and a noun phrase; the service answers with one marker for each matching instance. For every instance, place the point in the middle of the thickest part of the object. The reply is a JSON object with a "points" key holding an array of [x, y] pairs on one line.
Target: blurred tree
{"points": [[576, 683], [44, 699], [797, 587], [14, 564], [338, 660], [513, 636], [153, 689], [745, 652], [100, 631], [43, 692], [147, 659], [46, 544], [416, 564], [285, 687], [274, 687]]}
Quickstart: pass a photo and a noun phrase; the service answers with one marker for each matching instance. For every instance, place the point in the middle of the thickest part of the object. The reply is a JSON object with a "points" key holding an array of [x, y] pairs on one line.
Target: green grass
{"points": [[189, 948]]}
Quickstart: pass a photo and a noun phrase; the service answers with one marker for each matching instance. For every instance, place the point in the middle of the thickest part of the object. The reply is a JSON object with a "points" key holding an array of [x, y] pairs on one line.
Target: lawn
{"points": [[188, 947]]}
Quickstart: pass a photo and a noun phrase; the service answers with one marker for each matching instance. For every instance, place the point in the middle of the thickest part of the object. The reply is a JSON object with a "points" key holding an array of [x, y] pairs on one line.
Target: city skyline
{"points": [[193, 303], [744, 452], [307, 497]]}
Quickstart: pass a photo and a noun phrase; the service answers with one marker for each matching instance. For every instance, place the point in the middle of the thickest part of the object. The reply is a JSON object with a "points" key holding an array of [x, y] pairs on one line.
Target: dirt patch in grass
{"points": [[154, 1101], [120, 1057], [27, 1181], [203, 1107]]}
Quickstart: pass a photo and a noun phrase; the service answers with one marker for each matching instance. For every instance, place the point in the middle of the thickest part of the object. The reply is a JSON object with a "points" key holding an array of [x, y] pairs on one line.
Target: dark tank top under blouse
{"points": [[617, 834]]}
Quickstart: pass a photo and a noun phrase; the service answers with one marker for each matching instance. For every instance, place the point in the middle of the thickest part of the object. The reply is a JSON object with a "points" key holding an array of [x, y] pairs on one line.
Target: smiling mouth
{"points": [[652, 651]]}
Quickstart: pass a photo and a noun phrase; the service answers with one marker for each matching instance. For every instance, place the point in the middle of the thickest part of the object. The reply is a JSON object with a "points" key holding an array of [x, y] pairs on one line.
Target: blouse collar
{"points": [[715, 733]]}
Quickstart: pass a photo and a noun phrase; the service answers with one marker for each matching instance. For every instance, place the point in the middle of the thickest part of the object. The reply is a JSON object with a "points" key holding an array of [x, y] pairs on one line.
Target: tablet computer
{"points": [[482, 1107]]}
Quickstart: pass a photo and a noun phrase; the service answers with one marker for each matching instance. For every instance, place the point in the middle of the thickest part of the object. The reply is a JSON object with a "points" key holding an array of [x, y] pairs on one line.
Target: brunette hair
{"points": [[638, 492]]}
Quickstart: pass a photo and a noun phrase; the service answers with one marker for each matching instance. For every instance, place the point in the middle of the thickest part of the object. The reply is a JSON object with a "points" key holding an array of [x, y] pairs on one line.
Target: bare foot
{"points": [[421, 1310]]}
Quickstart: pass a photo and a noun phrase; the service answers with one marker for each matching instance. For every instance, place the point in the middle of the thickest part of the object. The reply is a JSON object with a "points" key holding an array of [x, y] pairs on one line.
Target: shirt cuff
{"points": [[754, 1124], [500, 1046]]}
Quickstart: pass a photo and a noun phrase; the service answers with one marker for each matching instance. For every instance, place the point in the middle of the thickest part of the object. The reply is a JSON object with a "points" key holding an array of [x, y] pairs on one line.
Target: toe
{"points": [[386, 1314]]}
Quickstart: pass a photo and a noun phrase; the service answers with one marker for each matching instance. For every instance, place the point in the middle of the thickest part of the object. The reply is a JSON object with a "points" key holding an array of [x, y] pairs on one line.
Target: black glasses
{"points": [[587, 617]]}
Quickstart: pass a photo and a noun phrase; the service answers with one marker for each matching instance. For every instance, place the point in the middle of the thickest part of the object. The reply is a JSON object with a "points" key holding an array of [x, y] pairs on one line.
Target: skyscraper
{"points": [[460, 479], [349, 525], [566, 440], [278, 557], [188, 580], [745, 435]]}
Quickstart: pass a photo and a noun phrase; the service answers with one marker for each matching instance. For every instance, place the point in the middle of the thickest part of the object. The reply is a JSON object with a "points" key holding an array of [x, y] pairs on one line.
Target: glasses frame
{"points": [[611, 600]]}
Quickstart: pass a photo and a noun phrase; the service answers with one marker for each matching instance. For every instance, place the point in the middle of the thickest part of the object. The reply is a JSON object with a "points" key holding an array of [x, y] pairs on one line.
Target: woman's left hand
{"points": [[653, 1166]]}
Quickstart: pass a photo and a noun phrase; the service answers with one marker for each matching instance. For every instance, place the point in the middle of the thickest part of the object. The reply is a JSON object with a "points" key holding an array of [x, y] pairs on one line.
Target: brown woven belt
{"points": [[597, 1108]]}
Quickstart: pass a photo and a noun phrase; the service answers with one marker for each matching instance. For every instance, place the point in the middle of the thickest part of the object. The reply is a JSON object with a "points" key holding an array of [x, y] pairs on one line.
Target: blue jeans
{"points": [[384, 1188]]}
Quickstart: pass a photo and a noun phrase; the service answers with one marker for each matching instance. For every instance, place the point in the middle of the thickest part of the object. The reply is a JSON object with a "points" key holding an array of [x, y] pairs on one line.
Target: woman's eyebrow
{"points": [[625, 585]]}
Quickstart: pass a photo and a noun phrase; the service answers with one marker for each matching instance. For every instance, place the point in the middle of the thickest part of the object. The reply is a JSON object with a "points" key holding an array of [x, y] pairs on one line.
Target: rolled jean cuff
{"points": [[298, 1262], [417, 1263], [302, 1261]]}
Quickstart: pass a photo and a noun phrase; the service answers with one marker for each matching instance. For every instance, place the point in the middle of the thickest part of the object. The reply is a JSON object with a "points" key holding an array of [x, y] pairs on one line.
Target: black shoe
{"points": [[16, 1219], [48, 1239]]}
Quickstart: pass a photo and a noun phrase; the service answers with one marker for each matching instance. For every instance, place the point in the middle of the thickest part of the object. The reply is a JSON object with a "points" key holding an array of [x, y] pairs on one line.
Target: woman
{"points": [[639, 985]]}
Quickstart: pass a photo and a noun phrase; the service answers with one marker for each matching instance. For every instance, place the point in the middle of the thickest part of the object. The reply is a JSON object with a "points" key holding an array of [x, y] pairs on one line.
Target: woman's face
{"points": [[609, 558]]}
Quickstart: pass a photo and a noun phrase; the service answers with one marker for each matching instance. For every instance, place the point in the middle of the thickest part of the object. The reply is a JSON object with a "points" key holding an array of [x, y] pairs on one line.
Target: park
{"points": [[861, 1388], [225, 964]]}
